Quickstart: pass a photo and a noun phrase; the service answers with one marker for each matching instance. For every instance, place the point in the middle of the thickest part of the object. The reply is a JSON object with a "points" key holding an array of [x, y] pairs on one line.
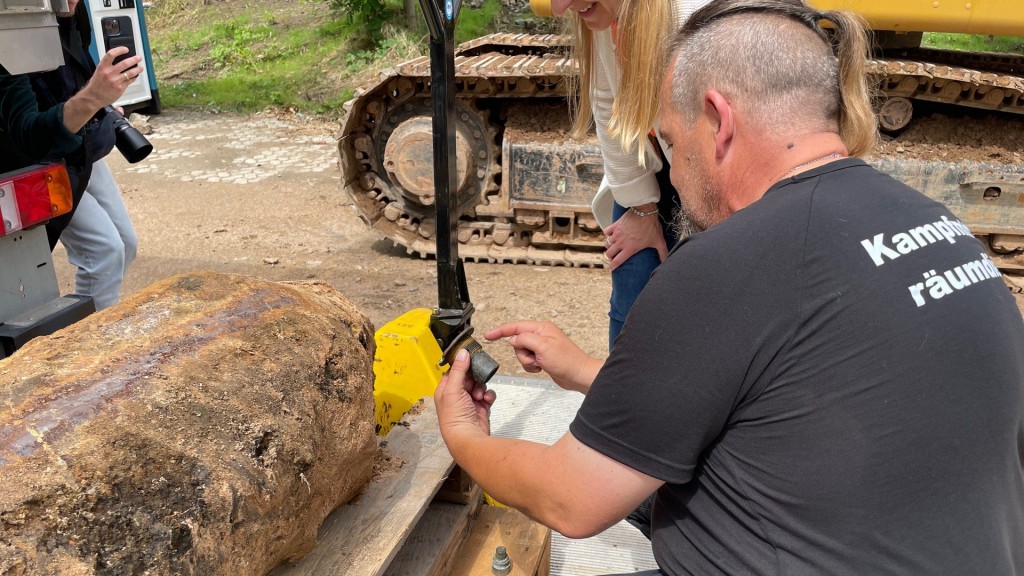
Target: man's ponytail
{"points": [[857, 122]]}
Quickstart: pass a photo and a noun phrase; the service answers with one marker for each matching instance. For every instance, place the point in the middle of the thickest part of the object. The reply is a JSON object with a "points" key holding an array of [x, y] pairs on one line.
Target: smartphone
{"points": [[118, 31]]}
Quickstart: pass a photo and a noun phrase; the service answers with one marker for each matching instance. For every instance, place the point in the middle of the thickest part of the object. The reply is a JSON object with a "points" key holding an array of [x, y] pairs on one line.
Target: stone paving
{"points": [[252, 149]]}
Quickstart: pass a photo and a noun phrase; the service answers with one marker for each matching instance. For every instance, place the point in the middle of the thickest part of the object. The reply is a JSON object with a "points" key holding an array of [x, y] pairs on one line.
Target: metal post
{"points": [[450, 323]]}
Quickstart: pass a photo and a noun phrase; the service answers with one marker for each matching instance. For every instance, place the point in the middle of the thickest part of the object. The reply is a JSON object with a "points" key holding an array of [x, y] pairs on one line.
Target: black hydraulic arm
{"points": [[450, 322]]}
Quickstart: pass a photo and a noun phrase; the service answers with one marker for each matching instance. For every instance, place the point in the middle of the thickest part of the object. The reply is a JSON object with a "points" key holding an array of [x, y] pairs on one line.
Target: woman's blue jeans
{"points": [[629, 279]]}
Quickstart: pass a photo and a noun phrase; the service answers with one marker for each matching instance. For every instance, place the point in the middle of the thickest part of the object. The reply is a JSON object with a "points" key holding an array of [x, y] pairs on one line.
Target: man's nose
{"points": [[558, 7]]}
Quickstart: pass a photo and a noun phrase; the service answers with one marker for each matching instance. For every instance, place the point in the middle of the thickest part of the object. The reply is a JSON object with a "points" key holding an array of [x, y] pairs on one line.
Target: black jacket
{"points": [[32, 116]]}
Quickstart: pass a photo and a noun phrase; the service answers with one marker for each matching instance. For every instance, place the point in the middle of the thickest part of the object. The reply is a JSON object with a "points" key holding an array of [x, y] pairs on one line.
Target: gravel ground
{"points": [[261, 195]]}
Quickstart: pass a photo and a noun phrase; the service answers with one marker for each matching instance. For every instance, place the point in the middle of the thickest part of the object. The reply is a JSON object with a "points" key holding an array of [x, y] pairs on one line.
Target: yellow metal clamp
{"points": [[405, 367]]}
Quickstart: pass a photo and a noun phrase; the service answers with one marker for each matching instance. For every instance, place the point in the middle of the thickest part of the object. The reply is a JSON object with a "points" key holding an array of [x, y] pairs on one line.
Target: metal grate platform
{"points": [[538, 410]]}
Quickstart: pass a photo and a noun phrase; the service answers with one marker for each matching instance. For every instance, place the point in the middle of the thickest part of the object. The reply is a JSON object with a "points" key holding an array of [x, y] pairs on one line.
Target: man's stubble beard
{"points": [[689, 218]]}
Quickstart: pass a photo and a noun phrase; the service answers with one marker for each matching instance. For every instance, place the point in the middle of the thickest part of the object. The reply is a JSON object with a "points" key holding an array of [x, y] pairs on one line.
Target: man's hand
{"points": [[110, 80], [542, 346], [568, 486], [463, 406], [631, 234], [107, 84]]}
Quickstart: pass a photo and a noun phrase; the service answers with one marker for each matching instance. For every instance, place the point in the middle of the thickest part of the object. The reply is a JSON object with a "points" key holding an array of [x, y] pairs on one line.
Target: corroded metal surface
{"points": [[949, 84], [206, 425], [988, 198], [490, 72], [506, 217]]}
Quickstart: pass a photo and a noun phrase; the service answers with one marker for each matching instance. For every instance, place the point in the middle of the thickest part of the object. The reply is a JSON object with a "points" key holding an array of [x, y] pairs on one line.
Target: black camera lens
{"points": [[129, 141]]}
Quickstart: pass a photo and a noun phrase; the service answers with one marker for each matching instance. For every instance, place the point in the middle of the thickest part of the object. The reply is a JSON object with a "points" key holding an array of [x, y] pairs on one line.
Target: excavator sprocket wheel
{"points": [[895, 114]]}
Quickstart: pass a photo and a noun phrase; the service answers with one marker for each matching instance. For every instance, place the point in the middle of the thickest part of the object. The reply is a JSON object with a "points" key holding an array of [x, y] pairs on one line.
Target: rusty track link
{"points": [[528, 66], [497, 66], [949, 84]]}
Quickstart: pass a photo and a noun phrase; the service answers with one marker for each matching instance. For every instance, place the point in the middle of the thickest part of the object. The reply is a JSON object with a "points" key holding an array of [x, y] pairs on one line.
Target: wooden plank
{"points": [[528, 544], [458, 488], [544, 567], [431, 548], [362, 537]]}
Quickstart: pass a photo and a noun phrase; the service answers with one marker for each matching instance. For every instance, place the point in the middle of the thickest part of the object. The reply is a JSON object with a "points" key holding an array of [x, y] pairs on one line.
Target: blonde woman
{"points": [[621, 47]]}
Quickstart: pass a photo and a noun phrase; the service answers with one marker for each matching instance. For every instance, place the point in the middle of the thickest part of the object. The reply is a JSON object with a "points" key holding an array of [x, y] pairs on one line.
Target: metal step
{"points": [[538, 410]]}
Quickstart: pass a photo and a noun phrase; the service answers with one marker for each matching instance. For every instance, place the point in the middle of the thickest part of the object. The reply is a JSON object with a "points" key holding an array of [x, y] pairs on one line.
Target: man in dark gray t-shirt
{"points": [[827, 379], [813, 410]]}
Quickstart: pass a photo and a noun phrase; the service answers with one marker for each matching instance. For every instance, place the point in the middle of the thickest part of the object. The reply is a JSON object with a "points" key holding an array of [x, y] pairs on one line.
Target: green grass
{"points": [[473, 23], [250, 62], [974, 42]]}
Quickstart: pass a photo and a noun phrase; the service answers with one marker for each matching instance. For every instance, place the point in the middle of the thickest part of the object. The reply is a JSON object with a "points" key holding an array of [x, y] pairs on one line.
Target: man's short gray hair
{"points": [[774, 61], [776, 69]]}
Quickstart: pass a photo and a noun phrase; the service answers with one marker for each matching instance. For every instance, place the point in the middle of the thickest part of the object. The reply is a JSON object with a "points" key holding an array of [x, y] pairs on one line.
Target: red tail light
{"points": [[32, 196]]}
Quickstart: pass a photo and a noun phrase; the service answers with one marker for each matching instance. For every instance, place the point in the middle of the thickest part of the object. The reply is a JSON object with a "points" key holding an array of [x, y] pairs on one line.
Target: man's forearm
{"points": [[567, 486], [79, 109], [518, 473]]}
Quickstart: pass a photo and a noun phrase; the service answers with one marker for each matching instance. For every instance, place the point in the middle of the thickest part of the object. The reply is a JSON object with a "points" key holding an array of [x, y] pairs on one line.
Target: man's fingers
{"points": [[528, 341], [456, 377], [510, 329], [528, 360], [124, 66], [114, 52]]}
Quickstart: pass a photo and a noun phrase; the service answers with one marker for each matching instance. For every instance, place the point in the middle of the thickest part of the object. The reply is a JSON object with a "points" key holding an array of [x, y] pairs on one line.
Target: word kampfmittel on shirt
{"points": [[934, 285], [907, 242]]}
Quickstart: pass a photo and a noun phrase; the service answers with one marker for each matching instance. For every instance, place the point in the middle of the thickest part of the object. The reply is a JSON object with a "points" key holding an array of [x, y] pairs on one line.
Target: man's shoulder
{"points": [[799, 213]]}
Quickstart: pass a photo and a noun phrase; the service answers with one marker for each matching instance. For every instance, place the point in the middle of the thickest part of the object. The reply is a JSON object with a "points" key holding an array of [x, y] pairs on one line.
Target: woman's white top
{"points": [[625, 180]]}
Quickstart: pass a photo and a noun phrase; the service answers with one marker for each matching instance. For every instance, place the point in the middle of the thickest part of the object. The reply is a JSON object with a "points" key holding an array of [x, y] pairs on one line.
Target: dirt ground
{"points": [[971, 135], [261, 195]]}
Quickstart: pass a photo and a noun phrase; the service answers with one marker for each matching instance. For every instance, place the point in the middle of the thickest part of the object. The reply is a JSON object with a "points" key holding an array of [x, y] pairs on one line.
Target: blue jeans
{"points": [[629, 279], [100, 240]]}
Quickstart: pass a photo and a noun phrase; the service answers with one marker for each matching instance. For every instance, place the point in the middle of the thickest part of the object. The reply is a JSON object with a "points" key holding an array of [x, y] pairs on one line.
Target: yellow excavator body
{"points": [[997, 17]]}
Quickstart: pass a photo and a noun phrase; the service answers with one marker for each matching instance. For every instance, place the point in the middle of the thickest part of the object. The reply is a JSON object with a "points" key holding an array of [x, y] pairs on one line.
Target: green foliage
{"points": [[166, 9], [305, 56], [242, 43], [358, 60], [974, 42], [372, 14], [279, 86], [471, 23], [476, 22]]}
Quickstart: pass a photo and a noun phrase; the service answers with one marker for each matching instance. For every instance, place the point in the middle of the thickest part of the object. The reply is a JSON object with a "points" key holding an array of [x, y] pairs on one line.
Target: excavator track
{"points": [[939, 80], [386, 159], [522, 200]]}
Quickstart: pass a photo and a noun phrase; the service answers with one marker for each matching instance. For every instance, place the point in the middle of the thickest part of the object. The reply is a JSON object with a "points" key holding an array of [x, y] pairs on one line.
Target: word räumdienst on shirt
{"points": [[937, 286]]}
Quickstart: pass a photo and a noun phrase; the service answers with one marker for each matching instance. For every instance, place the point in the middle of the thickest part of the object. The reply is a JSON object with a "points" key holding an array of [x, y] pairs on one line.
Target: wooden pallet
{"points": [[397, 527]]}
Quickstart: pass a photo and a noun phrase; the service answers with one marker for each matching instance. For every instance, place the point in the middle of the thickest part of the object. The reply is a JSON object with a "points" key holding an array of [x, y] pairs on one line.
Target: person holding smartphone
{"points": [[56, 116]]}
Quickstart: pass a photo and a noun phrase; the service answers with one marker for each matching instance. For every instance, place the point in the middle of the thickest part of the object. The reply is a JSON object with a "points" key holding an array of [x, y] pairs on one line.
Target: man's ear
{"points": [[722, 118]]}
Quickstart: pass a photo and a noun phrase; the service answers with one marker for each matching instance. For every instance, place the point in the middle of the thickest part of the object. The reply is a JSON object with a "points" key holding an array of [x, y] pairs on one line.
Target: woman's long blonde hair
{"points": [[644, 28]]}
